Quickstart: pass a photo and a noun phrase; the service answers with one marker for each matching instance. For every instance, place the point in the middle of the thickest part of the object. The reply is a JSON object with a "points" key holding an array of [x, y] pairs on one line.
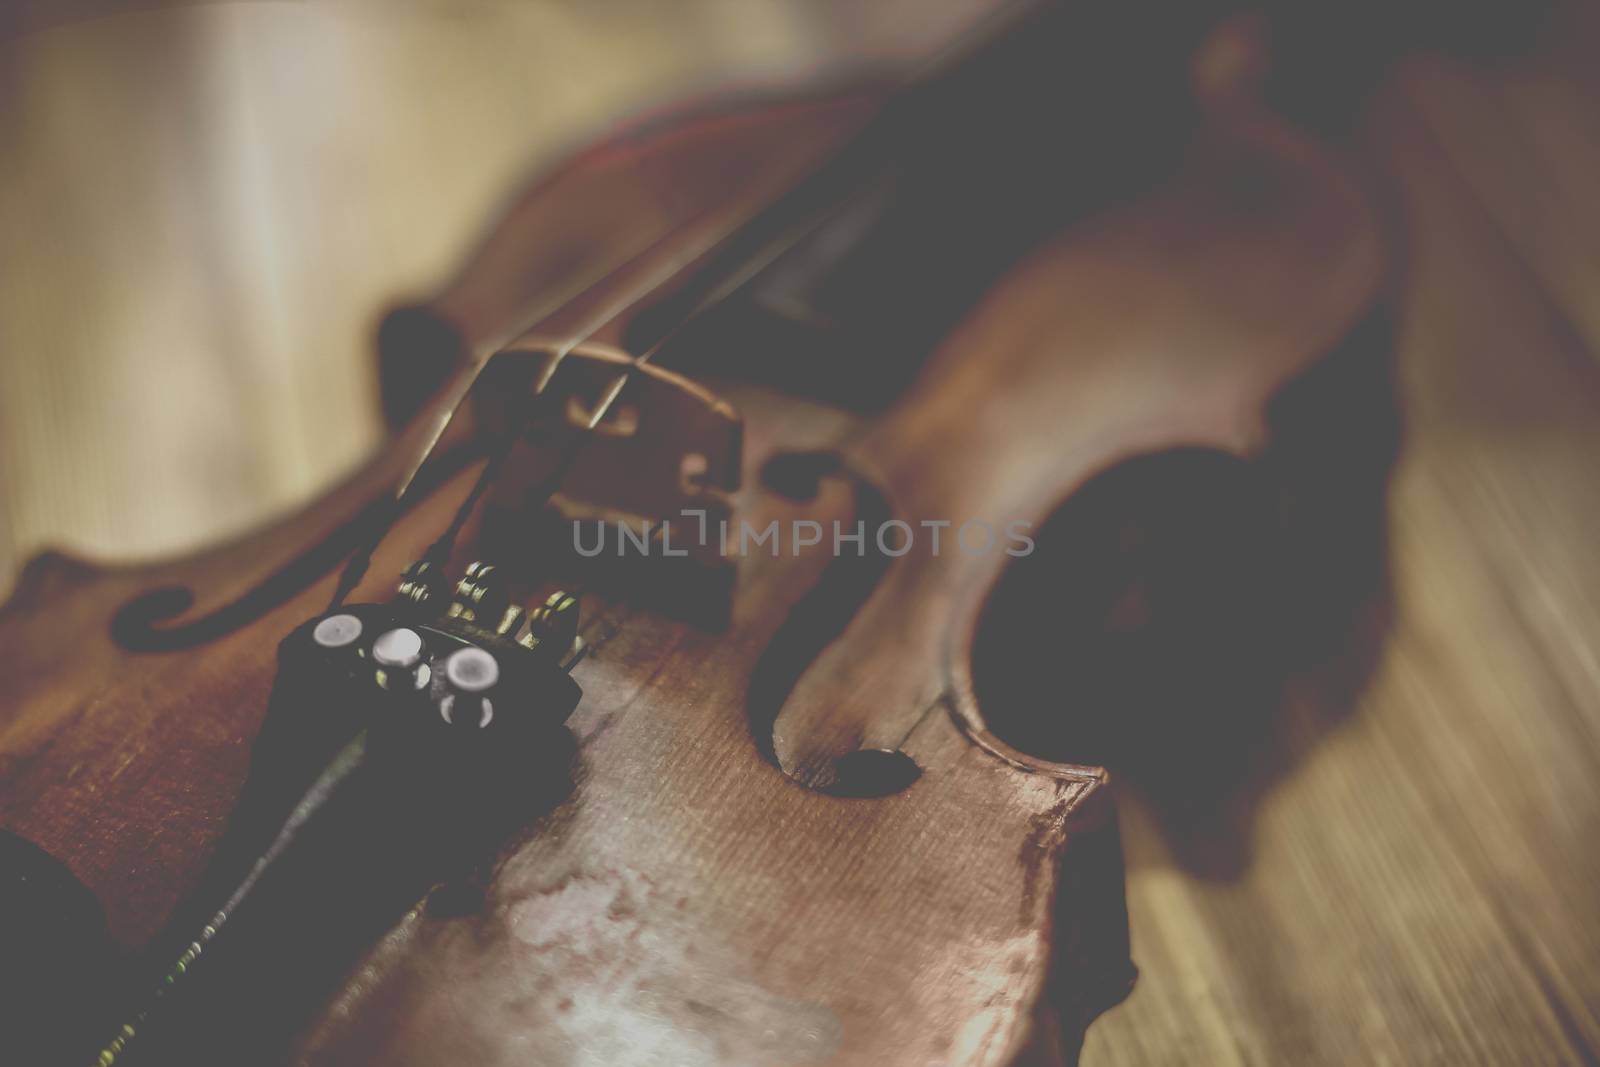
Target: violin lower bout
{"points": [[691, 903]]}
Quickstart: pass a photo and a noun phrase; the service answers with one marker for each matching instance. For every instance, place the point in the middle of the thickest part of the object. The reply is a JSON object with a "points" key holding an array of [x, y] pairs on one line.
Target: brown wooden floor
{"points": [[1425, 886], [204, 207]]}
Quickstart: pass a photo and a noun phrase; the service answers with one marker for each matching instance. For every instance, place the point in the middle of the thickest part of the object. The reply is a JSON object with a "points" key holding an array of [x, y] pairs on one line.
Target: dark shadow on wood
{"points": [[1195, 622]]}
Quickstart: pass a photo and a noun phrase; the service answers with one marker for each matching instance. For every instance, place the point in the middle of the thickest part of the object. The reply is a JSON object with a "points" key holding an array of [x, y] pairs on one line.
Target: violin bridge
{"points": [[648, 484]]}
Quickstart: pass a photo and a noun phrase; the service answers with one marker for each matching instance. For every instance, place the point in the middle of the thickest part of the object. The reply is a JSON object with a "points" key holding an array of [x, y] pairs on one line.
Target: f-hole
{"points": [[819, 618]]}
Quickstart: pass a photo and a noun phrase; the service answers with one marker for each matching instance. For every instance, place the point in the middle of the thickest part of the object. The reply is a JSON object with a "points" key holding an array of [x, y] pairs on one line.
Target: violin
{"points": [[701, 672]]}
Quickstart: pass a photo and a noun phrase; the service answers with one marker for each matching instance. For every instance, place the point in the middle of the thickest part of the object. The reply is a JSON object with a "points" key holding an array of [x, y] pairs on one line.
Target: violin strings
{"points": [[824, 181], [716, 295], [356, 566], [485, 350], [439, 552]]}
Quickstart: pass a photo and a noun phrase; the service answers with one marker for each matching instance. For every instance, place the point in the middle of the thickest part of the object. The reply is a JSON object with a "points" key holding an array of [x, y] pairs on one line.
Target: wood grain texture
{"points": [[1424, 888]]}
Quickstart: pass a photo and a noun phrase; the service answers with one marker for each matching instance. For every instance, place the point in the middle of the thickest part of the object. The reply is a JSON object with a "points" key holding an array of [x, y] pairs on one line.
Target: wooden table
{"points": [[1425, 883]]}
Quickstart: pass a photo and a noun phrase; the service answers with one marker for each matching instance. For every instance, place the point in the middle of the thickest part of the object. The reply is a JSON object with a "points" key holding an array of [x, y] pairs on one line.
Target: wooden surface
{"points": [[1425, 885], [205, 208], [1422, 879]]}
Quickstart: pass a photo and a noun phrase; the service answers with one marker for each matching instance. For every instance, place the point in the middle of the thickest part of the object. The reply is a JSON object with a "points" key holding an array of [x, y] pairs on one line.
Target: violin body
{"points": [[782, 825]]}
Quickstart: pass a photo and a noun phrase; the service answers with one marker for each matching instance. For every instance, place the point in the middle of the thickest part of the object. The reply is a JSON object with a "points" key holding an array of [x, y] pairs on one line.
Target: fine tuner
{"points": [[399, 690], [480, 606]]}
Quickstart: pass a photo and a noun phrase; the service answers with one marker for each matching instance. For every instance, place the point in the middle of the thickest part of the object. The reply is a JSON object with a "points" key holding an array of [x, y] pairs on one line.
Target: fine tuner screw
{"points": [[553, 629], [419, 584], [480, 595]]}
